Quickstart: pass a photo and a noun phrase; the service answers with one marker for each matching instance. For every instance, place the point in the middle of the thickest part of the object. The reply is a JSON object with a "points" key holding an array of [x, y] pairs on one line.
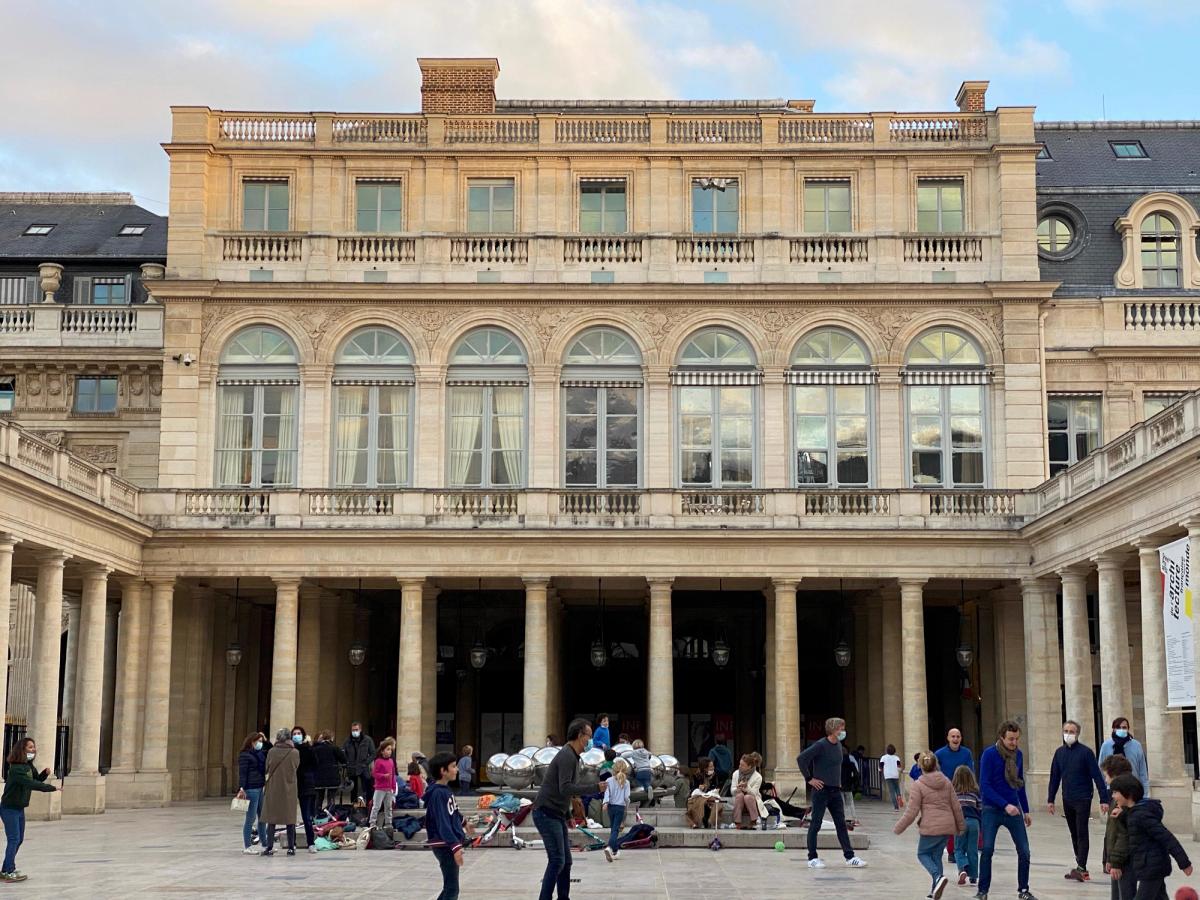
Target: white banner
{"points": [[1178, 605]]}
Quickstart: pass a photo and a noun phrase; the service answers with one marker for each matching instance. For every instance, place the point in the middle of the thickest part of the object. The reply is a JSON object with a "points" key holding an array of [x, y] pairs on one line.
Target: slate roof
{"points": [[85, 227]]}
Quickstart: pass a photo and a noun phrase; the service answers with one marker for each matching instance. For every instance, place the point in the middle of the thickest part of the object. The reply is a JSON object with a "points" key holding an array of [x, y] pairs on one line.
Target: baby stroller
{"points": [[509, 813]]}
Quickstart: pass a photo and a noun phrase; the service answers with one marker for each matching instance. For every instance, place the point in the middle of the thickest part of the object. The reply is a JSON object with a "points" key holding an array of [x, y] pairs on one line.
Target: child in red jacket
{"points": [[416, 782]]}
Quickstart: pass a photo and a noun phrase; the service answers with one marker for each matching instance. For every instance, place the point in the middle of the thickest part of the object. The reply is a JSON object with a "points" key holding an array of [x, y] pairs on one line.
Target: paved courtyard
{"points": [[194, 850]]}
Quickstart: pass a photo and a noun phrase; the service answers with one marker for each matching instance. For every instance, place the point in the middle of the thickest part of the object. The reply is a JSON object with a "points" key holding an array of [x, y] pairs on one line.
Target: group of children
{"points": [[1137, 846]]}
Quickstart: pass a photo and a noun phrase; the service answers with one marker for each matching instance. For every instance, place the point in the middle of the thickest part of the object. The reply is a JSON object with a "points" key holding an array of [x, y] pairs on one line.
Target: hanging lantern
{"points": [[233, 655], [358, 654], [599, 655], [842, 655], [479, 656], [965, 656], [720, 653]]}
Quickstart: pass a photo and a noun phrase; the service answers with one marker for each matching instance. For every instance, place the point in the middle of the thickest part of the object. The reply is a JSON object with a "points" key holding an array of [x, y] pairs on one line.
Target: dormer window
{"points": [[37, 230], [1128, 150], [132, 230]]}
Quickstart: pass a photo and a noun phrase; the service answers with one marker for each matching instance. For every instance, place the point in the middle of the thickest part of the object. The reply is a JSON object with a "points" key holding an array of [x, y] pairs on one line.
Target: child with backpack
{"points": [[1116, 835], [966, 845], [444, 823], [933, 798], [1151, 845], [616, 799], [383, 773]]}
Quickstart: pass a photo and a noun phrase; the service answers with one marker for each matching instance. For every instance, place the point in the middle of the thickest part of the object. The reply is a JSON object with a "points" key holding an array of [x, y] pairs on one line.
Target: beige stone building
{"points": [[719, 417]]}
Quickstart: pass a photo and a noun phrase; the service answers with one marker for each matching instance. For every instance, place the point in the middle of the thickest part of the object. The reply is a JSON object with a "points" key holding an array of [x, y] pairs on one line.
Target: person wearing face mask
{"points": [[252, 770], [360, 755], [306, 781], [1122, 743], [821, 765], [1074, 766], [23, 778], [280, 794]]}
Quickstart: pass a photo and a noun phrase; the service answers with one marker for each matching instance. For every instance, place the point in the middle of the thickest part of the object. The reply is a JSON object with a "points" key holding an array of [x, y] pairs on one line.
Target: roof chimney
{"points": [[459, 86], [972, 96]]}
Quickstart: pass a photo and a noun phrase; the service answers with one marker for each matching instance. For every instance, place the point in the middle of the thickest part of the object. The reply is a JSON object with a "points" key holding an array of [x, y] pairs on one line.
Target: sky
{"points": [[86, 93]]}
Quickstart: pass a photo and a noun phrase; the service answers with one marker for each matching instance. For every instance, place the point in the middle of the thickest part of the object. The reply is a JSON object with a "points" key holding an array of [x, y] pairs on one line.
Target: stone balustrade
{"points": [[59, 325], [1162, 315]]}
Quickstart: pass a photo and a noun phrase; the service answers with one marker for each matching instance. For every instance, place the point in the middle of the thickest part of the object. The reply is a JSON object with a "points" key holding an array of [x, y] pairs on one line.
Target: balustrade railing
{"points": [[973, 503], [941, 248], [937, 128], [714, 250], [602, 131], [602, 249], [476, 504], [828, 249], [16, 319], [273, 129], [380, 130], [714, 131], [825, 130], [505, 130], [36, 453], [599, 503], [262, 248], [846, 503], [100, 319], [351, 503], [83, 476], [489, 250], [722, 503], [1162, 315], [227, 503], [376, 248]]}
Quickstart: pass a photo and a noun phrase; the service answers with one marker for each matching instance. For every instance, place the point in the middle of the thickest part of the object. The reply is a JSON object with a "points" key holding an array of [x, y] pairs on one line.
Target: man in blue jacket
{"points": [[1075, 767], [1005, 805], [949, 758]]}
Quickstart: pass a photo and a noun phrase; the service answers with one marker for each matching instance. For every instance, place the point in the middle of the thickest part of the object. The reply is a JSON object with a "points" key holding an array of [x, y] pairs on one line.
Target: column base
{"points": [[46, 807], [83, 795], [1175, 794], [787, 777], [134, 790], [188, 785], [1036, 785]]}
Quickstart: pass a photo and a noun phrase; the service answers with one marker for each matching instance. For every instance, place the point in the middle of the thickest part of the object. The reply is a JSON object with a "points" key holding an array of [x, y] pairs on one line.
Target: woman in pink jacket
{"points": [[383, 772], [932, 797]]}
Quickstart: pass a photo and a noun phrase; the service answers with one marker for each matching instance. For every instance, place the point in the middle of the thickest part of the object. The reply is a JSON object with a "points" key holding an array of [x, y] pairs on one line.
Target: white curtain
{"points": [[229, 441], [510, 419], [351, 403], [399, 426], [466, 420], [285, 474]]}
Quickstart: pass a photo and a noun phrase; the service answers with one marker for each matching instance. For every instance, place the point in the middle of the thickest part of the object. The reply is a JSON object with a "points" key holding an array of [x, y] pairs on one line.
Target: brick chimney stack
{"points": [[465, 87], [972, 97]]}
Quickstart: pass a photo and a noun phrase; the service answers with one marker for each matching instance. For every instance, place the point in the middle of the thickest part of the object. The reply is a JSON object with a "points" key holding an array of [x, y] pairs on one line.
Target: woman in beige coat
{"points": [[281, 795], [746, 789], [932, 797]]}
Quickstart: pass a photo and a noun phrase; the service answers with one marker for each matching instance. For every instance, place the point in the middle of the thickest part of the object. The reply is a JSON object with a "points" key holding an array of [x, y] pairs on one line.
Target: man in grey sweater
{"points": [[552, 809], [821, 765]]}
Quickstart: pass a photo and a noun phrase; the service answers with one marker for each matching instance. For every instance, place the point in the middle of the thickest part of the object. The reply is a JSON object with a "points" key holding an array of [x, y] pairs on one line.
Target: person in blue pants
{"points": [[252, 774], [1005, 805]]}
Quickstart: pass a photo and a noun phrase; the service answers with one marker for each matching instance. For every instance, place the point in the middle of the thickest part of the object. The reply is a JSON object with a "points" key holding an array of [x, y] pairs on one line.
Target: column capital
{"points": [[131, 583], [1192, 524], [91, 570], [911, 582], [1110, 560], [411, 584], [8, 542], [430, 591], [1034, 583], [161, 581], [1074, 573], [52, 557], [786, 582], [286, 582], [1146, 545], [536, 581], [660, 581]]}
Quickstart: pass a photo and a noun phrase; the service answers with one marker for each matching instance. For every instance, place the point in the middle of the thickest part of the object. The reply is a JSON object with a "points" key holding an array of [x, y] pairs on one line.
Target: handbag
{"points": [[240, 804]]}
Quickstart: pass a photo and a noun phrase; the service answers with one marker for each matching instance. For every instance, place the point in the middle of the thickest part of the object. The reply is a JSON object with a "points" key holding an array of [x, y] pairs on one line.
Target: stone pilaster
{"points": [[660, 670], [7, 543], [47, 638], [308, 649], [916, 694], [429, 661], [535, 721], [769, 738], [1042, 734], [127, 719], [1116, 686], [875, 739], [1077, 653], [893, 675], [84, 791], [863, 709], [107, 715], [787, 686], [70, 660], [409, 692], [283, 659], [332, 660], [154, 780]]}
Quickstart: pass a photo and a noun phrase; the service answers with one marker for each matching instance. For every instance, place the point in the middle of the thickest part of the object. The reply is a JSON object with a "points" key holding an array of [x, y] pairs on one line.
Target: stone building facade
{"points": [[719, 417]]}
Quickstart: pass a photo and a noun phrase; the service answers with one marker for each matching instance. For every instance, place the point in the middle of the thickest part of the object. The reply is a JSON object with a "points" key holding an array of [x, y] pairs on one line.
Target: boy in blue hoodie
{"points": [[444, 823], [1005, 805]]}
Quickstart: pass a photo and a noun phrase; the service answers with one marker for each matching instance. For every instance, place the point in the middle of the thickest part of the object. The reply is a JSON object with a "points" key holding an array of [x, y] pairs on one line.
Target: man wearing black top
{"points": [[821, 765], [1074, 766], [552, 809]]}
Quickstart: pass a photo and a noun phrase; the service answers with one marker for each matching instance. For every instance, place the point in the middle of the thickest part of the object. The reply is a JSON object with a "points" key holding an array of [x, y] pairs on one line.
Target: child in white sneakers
{"points": [[616, 798]]}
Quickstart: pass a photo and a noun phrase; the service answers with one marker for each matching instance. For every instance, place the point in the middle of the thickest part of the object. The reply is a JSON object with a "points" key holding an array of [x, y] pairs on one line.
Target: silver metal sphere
{"points": [[518, 772], [529, 751], [657, 771], [542, 760], [591, 760], [495, 768], [623, 749]]}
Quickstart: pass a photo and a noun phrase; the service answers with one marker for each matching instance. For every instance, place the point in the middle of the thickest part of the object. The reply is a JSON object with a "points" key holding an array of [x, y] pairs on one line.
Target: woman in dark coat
{"points": [[330, 757], [306, 782], [252, 769], [280, 794]]}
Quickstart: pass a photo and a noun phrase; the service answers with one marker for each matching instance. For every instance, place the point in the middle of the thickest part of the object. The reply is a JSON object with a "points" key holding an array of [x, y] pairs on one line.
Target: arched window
{"points": [[602, 401], [1160, 252], [715, 380], [487, 386], [947, 421], [831, 383], [257, 382], [372, 384]]}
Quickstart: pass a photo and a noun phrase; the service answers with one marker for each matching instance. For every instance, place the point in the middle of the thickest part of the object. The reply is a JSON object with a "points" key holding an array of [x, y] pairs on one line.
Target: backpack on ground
{"points": [[640, 836], [381, 840]]}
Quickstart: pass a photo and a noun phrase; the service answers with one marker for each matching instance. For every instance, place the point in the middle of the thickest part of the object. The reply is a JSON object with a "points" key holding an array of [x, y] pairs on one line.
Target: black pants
{"points": [[828, 798], [449, 866], [308, 804], [1151, 889], [326, 797], [291, 836], [361, 786], [1077, 812]]}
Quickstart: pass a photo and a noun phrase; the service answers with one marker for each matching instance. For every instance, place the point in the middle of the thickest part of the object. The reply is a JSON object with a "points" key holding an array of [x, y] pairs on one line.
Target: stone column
{"points": [[429, 661], [283, 658], [308, 658], [769, 737], [876, 740], [83, 792], [660, 669], [155, 731], [1077, 653], [1193, 550], [788, 741], [130, 675], [893, 675], [916, 694], [69, 663], [1116, 685], [47, 640], [409, 691], [535, 720], [7, 543], [1164, 729], [112, 613], [863, 708], [1043, 717], [330, 668]]}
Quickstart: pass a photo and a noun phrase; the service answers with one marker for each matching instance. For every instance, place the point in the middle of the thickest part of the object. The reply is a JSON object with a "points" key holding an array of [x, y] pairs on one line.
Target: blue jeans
{"points": [[893, 786], [14, 830], [993, 820], [616, 815], [254, 795], [644, 777], [558, 854], [966, 850], [449, 866], [929, 854]]}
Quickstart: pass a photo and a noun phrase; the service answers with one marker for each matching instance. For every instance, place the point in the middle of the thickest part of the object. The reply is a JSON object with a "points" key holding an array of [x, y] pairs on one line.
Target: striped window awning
{"points": [[1090, 395], [726, 378], [946, 376], [252, 380], [602, 382], [484, 382], [367, 380], [831, 376]]}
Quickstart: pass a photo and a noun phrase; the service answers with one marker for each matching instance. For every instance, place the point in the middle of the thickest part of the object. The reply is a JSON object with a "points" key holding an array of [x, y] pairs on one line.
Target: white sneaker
{"points": [[817, 863], [856, 863], [616, 854], [250, 851], [938, 887], [312, 849], [608, 854]]}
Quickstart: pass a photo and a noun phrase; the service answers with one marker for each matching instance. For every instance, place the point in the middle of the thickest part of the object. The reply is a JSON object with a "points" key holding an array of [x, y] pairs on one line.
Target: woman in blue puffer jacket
{"points": [[252, 776]]}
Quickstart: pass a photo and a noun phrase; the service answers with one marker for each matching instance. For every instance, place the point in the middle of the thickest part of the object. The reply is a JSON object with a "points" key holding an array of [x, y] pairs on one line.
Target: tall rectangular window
{"points": [[946, 435], [256, 436], [1153, 404], [1073, 424], [940, 205], [715, 205], [601, 443], [372, 435], [265, 205], [378, 206], [831, 435], [95, 395], [8, 393], [109, 292], [491, 205], [602, 207], [716, 436], [826, 206], [487, 436]]}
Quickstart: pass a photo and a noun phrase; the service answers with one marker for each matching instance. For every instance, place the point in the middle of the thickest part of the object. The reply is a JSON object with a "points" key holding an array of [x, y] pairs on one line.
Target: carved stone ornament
{"points": [[99, 454], [52, 437]]}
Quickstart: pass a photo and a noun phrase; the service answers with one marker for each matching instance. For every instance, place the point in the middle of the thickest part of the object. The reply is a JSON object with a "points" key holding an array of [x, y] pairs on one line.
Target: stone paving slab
{"points": [[194, 850]]}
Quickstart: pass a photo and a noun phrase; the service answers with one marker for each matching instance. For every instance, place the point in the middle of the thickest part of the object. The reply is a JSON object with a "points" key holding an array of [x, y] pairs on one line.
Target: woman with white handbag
{"points": [[252, 768]]}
